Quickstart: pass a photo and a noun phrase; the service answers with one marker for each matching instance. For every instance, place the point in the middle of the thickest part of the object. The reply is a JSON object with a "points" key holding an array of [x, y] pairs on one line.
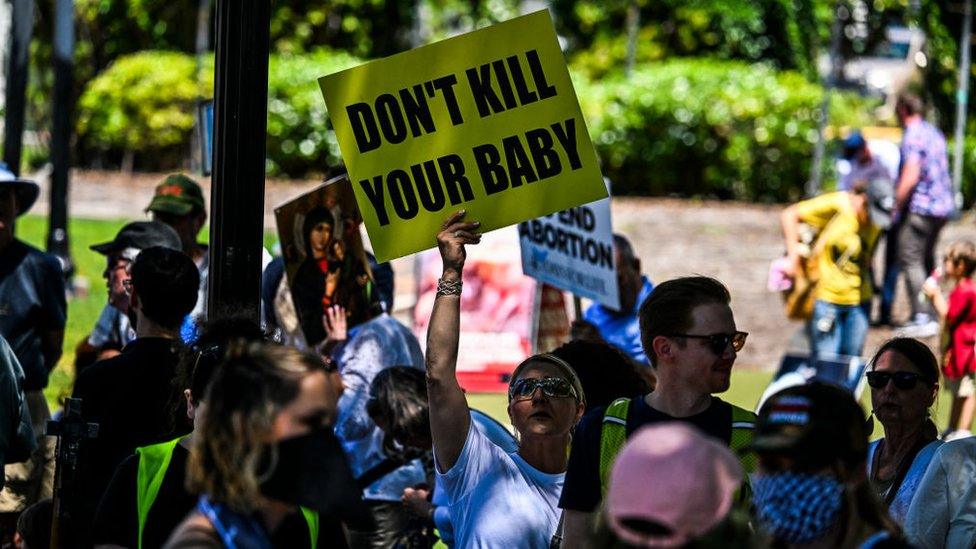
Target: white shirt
{"points": [[499, 435], [499, 500], [943, 513], [112, 327], [909, 485], [867, 172]]}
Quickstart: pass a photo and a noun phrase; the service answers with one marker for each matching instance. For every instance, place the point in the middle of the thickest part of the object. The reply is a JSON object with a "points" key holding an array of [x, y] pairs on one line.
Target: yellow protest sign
{"points": [[487, 122]]}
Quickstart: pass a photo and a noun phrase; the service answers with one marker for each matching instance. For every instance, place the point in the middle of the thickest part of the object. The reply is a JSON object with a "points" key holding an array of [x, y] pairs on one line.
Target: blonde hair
{"points": [[231, 454]]}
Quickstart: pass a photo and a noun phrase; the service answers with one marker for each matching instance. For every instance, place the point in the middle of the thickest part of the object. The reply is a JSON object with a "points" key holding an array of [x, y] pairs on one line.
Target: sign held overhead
{"points": [[487, 121]]}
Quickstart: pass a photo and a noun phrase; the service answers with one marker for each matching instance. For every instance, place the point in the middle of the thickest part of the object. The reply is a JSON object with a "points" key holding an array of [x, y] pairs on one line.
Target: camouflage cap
{"points": [[177, 195]]}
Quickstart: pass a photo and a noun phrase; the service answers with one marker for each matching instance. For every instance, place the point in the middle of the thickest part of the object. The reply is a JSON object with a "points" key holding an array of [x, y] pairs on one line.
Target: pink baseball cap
{"points": [[674, 478]]}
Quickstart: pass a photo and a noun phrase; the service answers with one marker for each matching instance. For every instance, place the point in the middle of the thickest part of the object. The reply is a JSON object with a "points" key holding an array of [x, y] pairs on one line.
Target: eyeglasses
{"points": [[905, 381], [718, 343], [210, 353], [127, 285], [552, 387]]}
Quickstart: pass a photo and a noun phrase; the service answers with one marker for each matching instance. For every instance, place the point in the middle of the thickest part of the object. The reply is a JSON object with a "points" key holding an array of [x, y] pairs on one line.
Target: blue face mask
{"points": [[795, 507]]}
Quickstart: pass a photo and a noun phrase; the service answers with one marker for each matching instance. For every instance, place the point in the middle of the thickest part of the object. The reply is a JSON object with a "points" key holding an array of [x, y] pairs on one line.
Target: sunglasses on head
{"points": [[903, 380], [718, 343], [552, 387]]}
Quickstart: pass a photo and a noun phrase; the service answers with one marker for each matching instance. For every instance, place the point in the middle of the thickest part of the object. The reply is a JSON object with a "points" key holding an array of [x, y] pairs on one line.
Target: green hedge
{"points": [[968, 169], [695, 127], [300, 135], [685, 127], [144, 104]]}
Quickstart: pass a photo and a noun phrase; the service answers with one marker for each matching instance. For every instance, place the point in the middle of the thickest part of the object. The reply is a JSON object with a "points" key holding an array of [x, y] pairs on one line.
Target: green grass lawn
{"points": [[83, 311], [747, 386]]}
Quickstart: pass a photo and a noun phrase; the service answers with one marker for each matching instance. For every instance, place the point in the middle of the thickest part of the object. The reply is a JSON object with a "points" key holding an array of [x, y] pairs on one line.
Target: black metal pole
{"points": [[22, 26], [64, 47], [240, 127]]}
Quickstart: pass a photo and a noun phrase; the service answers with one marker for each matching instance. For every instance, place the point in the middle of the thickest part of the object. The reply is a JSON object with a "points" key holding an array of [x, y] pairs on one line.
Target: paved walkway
{"points": [[731, 241]]}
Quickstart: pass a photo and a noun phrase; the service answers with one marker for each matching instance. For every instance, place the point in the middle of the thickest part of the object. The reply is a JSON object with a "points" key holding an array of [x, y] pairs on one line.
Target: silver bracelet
{"points": [[448, 287]]}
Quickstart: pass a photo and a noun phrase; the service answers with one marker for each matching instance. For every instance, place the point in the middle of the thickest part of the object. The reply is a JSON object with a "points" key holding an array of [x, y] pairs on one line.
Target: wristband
{"points": [[448, 287]]}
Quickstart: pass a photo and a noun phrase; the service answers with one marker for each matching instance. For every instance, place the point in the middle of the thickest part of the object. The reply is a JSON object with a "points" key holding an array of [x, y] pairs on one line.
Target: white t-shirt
{"points": [[943, 512], [499, 500]]}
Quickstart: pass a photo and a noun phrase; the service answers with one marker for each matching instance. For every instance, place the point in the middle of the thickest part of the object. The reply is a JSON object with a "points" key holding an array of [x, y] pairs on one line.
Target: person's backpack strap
{"points": [[613, 434], [312, 519], [154, 460], [743, 429]]}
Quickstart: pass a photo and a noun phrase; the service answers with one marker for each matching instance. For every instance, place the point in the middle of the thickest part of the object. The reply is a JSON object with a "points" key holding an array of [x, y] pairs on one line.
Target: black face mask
{"points": [[312, 472]]}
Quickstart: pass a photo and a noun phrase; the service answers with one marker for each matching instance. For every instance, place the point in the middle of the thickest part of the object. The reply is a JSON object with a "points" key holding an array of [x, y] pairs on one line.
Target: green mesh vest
{"points": [[613, 434], [154, 461]]}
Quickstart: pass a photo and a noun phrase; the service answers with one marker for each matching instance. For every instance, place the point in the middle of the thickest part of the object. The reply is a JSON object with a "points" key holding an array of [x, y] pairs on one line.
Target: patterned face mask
{"points": [[795, 507]]}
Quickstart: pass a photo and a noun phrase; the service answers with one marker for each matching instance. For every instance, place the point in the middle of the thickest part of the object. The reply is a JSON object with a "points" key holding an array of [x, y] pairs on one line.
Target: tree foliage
{"points": [[145, 104], [774, 31]]}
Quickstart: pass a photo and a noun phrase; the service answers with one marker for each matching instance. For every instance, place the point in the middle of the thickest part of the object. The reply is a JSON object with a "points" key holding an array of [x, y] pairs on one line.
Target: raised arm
{"points": [[449, 419]]}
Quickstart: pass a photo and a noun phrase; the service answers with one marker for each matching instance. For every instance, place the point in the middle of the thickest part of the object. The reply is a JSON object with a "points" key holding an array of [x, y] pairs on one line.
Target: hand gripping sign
{"points": [[487, 122]]}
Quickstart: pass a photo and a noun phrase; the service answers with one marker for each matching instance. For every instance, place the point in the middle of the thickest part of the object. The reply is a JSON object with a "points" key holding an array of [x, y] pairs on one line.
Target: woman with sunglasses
{"points": [[811, 488], [497, 499], [904, 380]]}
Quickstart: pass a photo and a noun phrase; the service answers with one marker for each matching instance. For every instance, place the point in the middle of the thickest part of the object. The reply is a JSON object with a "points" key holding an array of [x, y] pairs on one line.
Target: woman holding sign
{"points": [[497, 499]]}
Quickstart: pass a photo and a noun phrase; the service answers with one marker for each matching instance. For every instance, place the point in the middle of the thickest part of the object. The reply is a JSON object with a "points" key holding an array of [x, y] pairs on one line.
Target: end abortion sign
{"points": [[573, 251], [487, 122]]}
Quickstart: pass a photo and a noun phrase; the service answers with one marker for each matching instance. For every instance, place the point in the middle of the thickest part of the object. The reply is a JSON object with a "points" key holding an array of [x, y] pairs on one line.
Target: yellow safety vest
{"points": [[613, 434], [154, 461]]}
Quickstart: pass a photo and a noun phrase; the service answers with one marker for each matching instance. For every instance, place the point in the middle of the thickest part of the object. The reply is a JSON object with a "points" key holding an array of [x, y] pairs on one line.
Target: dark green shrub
{"points": [[145, 104], [300, 136], [698, 127], [968, 170]]}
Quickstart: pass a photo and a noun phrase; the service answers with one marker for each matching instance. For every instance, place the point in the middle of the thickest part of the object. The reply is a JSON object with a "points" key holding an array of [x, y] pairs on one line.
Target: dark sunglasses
{"points": [[905, 381], [552, 387], [718, 343]]}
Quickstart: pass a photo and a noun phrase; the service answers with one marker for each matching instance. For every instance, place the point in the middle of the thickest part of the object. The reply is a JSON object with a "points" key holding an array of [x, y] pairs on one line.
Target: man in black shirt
{"points": [[33, 311], [112, 331], [689, 335], [130, 395]]}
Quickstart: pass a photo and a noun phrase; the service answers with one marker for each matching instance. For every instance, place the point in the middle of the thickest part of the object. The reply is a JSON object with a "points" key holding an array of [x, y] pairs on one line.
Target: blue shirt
{"points": [[373, 346], [621, 331], [32, 303]]}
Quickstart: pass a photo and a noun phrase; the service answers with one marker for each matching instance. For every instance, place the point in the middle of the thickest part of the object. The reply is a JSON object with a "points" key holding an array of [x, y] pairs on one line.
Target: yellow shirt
{"points": [[846, 245]]}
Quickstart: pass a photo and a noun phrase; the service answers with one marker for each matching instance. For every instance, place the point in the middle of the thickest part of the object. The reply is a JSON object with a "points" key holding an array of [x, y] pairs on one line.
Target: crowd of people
{"points": [[221, 431]]}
